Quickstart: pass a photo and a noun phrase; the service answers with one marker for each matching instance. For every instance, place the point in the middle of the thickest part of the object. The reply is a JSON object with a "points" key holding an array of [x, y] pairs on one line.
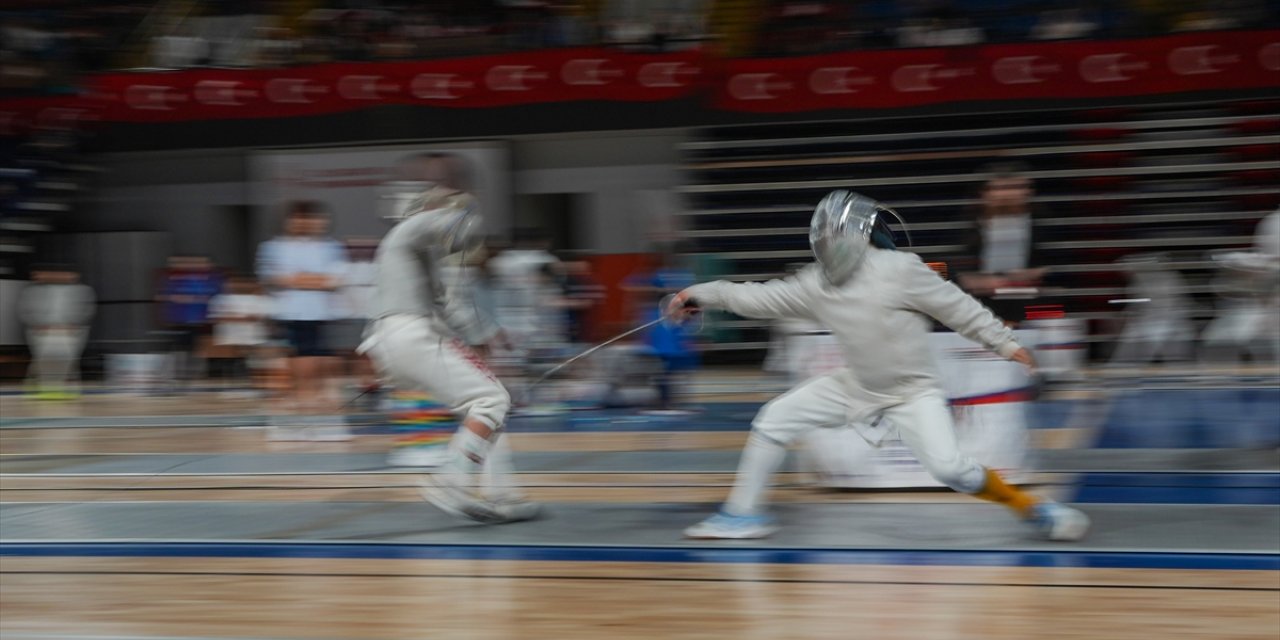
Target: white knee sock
{"points": [[498, 483], [760, 459], [469, 451]]}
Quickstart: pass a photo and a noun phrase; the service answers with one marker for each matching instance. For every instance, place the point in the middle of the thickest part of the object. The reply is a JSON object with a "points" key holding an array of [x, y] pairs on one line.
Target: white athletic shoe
{"points": [[517, 510], [725, 526], [1058, 521], [458, 502]]}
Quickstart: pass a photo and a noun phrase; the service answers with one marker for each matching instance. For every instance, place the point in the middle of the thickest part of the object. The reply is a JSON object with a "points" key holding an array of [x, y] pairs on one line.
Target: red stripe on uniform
{"points": [[999, 397]]}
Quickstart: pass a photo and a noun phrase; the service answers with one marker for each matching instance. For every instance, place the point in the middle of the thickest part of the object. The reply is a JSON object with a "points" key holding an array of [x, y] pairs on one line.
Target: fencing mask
{"points": [[844, 226], [457, 221]]}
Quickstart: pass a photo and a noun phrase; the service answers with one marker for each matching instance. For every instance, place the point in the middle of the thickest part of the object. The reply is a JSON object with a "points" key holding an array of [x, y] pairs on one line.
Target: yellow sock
{"points": [[997, 491]]}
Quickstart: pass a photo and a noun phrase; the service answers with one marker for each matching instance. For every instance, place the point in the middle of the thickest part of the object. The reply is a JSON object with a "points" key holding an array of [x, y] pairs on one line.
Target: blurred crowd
{"points": [[813, 26], [46, 47], [292, 327], [999, 266]]}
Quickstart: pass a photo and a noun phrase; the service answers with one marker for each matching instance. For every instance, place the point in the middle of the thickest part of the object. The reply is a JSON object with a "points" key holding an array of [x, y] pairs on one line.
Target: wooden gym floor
{"points": [[161, 526]]}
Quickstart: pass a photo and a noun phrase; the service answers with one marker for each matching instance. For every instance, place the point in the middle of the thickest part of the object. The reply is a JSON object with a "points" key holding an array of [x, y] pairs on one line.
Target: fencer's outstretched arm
{"points": [[925, 291], [781, 298]]}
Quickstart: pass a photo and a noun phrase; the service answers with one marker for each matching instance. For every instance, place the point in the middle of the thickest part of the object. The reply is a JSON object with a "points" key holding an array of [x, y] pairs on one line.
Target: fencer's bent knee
{"points": [[491, 407], [959, 472], [774, 423]]}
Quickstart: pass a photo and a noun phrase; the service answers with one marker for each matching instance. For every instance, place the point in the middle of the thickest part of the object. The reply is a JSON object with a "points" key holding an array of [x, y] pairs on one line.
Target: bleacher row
{"points": [[1183, 179], [39, 180]]}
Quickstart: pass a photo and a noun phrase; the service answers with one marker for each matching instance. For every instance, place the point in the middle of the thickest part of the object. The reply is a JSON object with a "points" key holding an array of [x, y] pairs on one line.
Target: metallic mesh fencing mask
{"points": [[844, 226]]}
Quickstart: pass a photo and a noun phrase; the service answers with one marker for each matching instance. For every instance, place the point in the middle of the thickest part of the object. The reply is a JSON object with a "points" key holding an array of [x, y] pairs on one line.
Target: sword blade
{"points": [[592, 350]]}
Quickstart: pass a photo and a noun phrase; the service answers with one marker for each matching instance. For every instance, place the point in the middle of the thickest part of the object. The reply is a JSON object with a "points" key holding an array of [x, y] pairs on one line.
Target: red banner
{"points": [[486, 81], [855, 80], [1085, 69]]}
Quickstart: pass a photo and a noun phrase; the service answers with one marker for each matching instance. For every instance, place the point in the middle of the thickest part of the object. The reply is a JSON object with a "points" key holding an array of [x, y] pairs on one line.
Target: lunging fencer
{"points": [[877, 301], [430, 336]]}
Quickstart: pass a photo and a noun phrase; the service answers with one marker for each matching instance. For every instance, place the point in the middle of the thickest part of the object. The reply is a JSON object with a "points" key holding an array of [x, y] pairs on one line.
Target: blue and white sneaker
{"points": [[1058, 521], [726, 526]]}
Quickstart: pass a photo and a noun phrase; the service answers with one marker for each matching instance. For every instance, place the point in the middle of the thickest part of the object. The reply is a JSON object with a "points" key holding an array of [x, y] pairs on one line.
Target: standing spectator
{"points": [[998, 266], [303, 267], [240, 324], [189, 284], [57, 310]]}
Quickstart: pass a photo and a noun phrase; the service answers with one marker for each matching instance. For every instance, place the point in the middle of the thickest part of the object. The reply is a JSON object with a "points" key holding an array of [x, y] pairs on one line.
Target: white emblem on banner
{"points": [[151, 97], [291, 90], [1191, 61], [362, 87], [1022, 70], [1109, 67], [587, 71], [665, 74], [1269, 56], [220, 92], [924, 77], [756, 86], [437, 86], [834, 80], [512, 77]]}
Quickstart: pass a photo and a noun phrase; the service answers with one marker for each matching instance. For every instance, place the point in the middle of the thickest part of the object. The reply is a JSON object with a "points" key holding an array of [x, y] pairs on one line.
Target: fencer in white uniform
{"points": [[878, 303], [428, 336]]}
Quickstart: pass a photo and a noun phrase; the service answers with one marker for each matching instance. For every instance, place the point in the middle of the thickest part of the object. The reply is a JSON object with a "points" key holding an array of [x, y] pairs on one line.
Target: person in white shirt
{"points": [[879, 304], [520, 295], [240, 322], [302, 268], [56, 309]]}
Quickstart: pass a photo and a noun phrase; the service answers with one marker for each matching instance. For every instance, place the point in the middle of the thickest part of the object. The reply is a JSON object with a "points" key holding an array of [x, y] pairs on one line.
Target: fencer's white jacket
{"points": [[880, 318], [413, 277]]}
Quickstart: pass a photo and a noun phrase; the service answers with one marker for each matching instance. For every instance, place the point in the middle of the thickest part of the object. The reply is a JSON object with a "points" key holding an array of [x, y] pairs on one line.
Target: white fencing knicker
{"points": [[412, 355]]}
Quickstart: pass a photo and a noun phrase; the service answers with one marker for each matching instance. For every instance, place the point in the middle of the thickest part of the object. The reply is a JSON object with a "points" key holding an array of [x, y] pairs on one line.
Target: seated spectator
{"points": [[189, 284], [240, 325], [56, 309], [1063, 24]]}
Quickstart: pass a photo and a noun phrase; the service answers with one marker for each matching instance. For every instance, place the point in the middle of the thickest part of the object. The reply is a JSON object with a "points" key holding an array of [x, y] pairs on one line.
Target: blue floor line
{"points": [[1176, 495], [1180, 479], [326, 550]]}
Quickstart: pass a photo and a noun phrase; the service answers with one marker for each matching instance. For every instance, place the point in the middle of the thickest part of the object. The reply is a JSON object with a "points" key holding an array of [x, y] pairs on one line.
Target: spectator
{"points": [[189, 284], [1063, 24], [240, 328], [1248, 286], [56, 310], [303, 267], [667, 342], [999, 263], [519, 272], [942, 26]]}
